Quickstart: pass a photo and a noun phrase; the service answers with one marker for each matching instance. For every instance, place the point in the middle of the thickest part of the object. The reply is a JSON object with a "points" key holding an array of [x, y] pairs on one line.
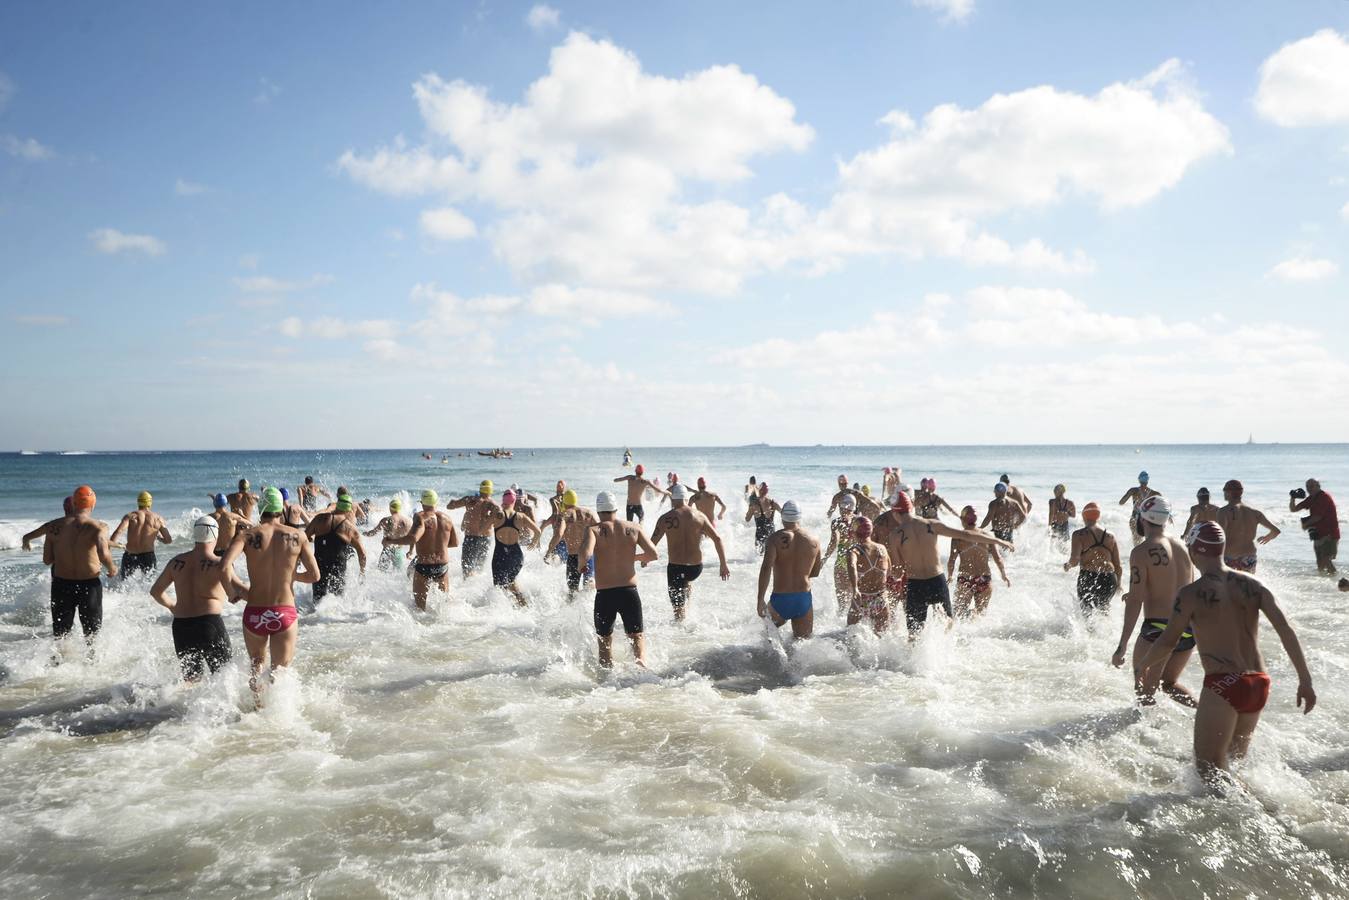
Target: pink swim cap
{"points": [[1206, 539], [508, 498], [862, 528], [903, 503]]}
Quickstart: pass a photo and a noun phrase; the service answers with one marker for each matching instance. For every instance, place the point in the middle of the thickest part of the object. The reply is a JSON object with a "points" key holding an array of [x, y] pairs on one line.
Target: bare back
{"points": [[271, 551], [615, 552], [1096, 548], [795, 559], [576, 522], [78, 544], [683, 529], [228, 524], [1225, 608], [438, 535], [1239, 522], [196, 584], [1160, 567], [142, 527], [913, 547]]}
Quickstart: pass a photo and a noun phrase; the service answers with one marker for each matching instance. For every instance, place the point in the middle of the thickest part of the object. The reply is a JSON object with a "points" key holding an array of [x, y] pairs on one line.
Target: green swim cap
{"points": [[429, 498], [395, 505], [343, 503], [272, 503], [485, 489]]}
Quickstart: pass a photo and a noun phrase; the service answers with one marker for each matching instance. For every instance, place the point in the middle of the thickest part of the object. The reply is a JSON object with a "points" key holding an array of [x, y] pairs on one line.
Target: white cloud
{"points": [[951, 10], [1302, 268], [184, 188], [1306, 82], [265, 284], [40, 321], [332, 329], [542, 17], [110, 240], [447, 224], [24, 148], [588, 305]]}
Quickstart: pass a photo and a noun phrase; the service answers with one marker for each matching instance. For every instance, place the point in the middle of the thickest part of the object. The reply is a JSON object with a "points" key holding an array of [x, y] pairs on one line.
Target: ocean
{"points": [[478, 749]]}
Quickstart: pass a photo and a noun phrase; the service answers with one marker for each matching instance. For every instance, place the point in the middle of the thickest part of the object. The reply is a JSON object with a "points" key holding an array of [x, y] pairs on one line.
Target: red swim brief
{"points": [[265, 621], [1245, 693]]}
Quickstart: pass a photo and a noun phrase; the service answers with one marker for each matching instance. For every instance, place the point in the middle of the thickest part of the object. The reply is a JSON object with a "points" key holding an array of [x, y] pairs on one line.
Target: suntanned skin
{"points": [[615, 547], [308, 493], [973, 557], [1018, 496], [913, 544], [1239, 522], [638, 485], [197, 587], [1159, 567], [1137, 494], [706, 503], [143, 527], [686, 527], [1222, 609], [1202, 511], [840, 533], [228, 523], [271, 552], [843, 491], [868, 566], [1004, 513], [525, 532], [929, 504], [394, 525], [243, 501], [79, 548], [572, 526], [1061, 509], [762, 504], [1104, 558], [866, 505], [432, 534], [791, 559], [42, 531], [884, 526], [296, 516], [479, 514]]}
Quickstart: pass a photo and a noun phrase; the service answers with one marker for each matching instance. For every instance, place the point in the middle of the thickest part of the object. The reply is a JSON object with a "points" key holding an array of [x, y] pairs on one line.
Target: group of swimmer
{"points": [[886, 559]]}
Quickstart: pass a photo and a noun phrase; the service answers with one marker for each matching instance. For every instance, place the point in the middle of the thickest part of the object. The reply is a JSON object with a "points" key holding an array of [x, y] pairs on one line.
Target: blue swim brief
{"points": [[791, 606]]}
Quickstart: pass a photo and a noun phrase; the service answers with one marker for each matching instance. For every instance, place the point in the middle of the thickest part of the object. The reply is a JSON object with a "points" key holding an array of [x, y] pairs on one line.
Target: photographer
{"points": [[1322, 525]]}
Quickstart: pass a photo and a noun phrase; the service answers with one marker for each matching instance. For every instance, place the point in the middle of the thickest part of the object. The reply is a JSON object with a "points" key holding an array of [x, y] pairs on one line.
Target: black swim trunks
{"points": [[1095, 589], [677, 579], [1153, 628], [1004, 534], [573, 572], [71, 596], [473, 556], [922, 593], [1059, 531], [434, 571], [636, 513], [137, 563], [611, 603], [201, 642], [507, 561]]}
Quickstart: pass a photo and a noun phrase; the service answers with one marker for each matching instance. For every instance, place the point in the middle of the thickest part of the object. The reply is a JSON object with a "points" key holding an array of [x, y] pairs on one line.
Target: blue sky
{"points": [[285, 225]]}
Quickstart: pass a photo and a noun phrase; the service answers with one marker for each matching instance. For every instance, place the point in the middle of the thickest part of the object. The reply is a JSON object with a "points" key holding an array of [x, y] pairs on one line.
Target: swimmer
{"points": [[1061, 511], [1004, 513], [1097, 552], [227, 522], [243, 501], [294, 515], [199, 636], [866, 504], [555, 501], [1239, 523], [841, 541], [1222, 609], [392, 526], [526, 504], [927, 502], [889, 481], [43, 530], [1159, 567], [913, 549], [707, 502], [480, 511], [843, 491], [1016, 494], [686, 528], [432, 534], [335, 537], [1202, 511], [511, 528], [637, 488], [1137, 495], [143, 527], [309, 492], [571, 529], [762, 508], [868, 567], [791, 559], [276, 556], [882, 528], [974, 584], [751, 489], [616, 548], [77, 549]]}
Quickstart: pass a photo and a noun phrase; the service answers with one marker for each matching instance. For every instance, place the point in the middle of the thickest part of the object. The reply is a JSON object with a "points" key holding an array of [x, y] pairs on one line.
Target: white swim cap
{"points": [[205, 530], [679, 492], [1156, 509], [791, 512], [606, 502], [848, 502]]}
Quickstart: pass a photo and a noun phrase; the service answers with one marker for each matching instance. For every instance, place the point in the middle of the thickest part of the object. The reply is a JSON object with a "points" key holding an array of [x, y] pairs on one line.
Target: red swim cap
{"points": [[640, 470], [902, 502], [83, 498], [1234, 486], [862, 528], [702, 483], [1206, 539], [1090, 513]]}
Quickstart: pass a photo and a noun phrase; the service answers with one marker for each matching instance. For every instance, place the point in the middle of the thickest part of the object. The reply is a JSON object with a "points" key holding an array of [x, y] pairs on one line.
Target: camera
{"points": [[1298, 493]]}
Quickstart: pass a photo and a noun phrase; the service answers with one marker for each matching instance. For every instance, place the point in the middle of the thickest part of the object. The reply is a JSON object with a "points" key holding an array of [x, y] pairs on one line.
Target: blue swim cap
{"points": [[220, 501], [285, 495], [999, 488]]}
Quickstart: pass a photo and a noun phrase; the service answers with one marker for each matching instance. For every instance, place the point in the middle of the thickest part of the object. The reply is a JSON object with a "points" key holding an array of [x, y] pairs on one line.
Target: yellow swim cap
{"points": [[485, 489], [395, 505], [430, 498], [866, 490], [143, 500], [569, 498]]}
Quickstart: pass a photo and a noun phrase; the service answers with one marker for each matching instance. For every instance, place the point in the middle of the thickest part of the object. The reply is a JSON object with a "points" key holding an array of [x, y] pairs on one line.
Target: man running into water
{"points": [[1202, 511], [309, 492], [294, 515], [843, 491], [391, 527], [707, 502], [570, 532], [432, 534], [927, 502], [199, 636], [913, 549], [974, 585], [791, 559], [1061, 512], [1159, 567], [227, 523], [1004, 513], [511, 528], [762, 508], [1322, 523], [1223, 609], [882, 528], [142, 528], [1137, 495], [277, 556], [614, 545], [335, 537], [1016, 494], [479, 513], [1239, 522], [243, 501], [637, 488], [841, 543], [45, 529], [686, 528], [866, 504], [76, 548], [1096, 551], [868, 566]]}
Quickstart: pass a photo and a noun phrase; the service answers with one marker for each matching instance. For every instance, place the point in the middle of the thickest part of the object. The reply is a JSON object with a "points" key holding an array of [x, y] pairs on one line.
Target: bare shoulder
{"points": [[1246, 584]]}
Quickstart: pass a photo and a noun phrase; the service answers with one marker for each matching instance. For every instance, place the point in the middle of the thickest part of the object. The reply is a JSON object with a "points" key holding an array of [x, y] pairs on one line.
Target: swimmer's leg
{"points": [[1144, 688], [419, 586], [256, 646], [1215, 722], [981, 599], [803, 625], [606, 642], [639, 648], [1241, 737], [1171, 673]]}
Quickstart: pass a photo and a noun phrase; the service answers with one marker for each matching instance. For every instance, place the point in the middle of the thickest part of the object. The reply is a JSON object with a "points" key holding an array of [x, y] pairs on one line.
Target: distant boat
{"points": [[29, 453], [74, 452], [1250, 440], [498, 453]]}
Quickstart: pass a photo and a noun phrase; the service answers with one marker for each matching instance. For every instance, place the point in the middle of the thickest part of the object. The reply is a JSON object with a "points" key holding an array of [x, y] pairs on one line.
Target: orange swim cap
{"points": [[83, 498], [1091, 512]]}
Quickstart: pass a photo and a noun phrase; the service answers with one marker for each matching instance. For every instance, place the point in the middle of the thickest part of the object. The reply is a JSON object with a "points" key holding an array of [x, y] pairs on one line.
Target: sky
{"points": [[335, 225]]}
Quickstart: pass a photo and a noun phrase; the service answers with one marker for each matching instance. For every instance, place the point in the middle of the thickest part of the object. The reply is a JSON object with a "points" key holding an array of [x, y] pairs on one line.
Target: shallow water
{"points": [[479, 750]]}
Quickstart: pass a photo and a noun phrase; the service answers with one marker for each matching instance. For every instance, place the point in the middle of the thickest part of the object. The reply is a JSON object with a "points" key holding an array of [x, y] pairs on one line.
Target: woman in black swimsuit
{"points": [[507, 557]]}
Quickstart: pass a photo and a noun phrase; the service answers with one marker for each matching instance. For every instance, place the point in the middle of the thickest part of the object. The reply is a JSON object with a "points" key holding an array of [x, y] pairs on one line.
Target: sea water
{"points": [[478, 750]]}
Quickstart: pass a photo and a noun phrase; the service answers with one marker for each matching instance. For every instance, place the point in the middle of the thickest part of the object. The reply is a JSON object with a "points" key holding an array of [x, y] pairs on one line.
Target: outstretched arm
{"points": [[1292, 647], [977, 537]]}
